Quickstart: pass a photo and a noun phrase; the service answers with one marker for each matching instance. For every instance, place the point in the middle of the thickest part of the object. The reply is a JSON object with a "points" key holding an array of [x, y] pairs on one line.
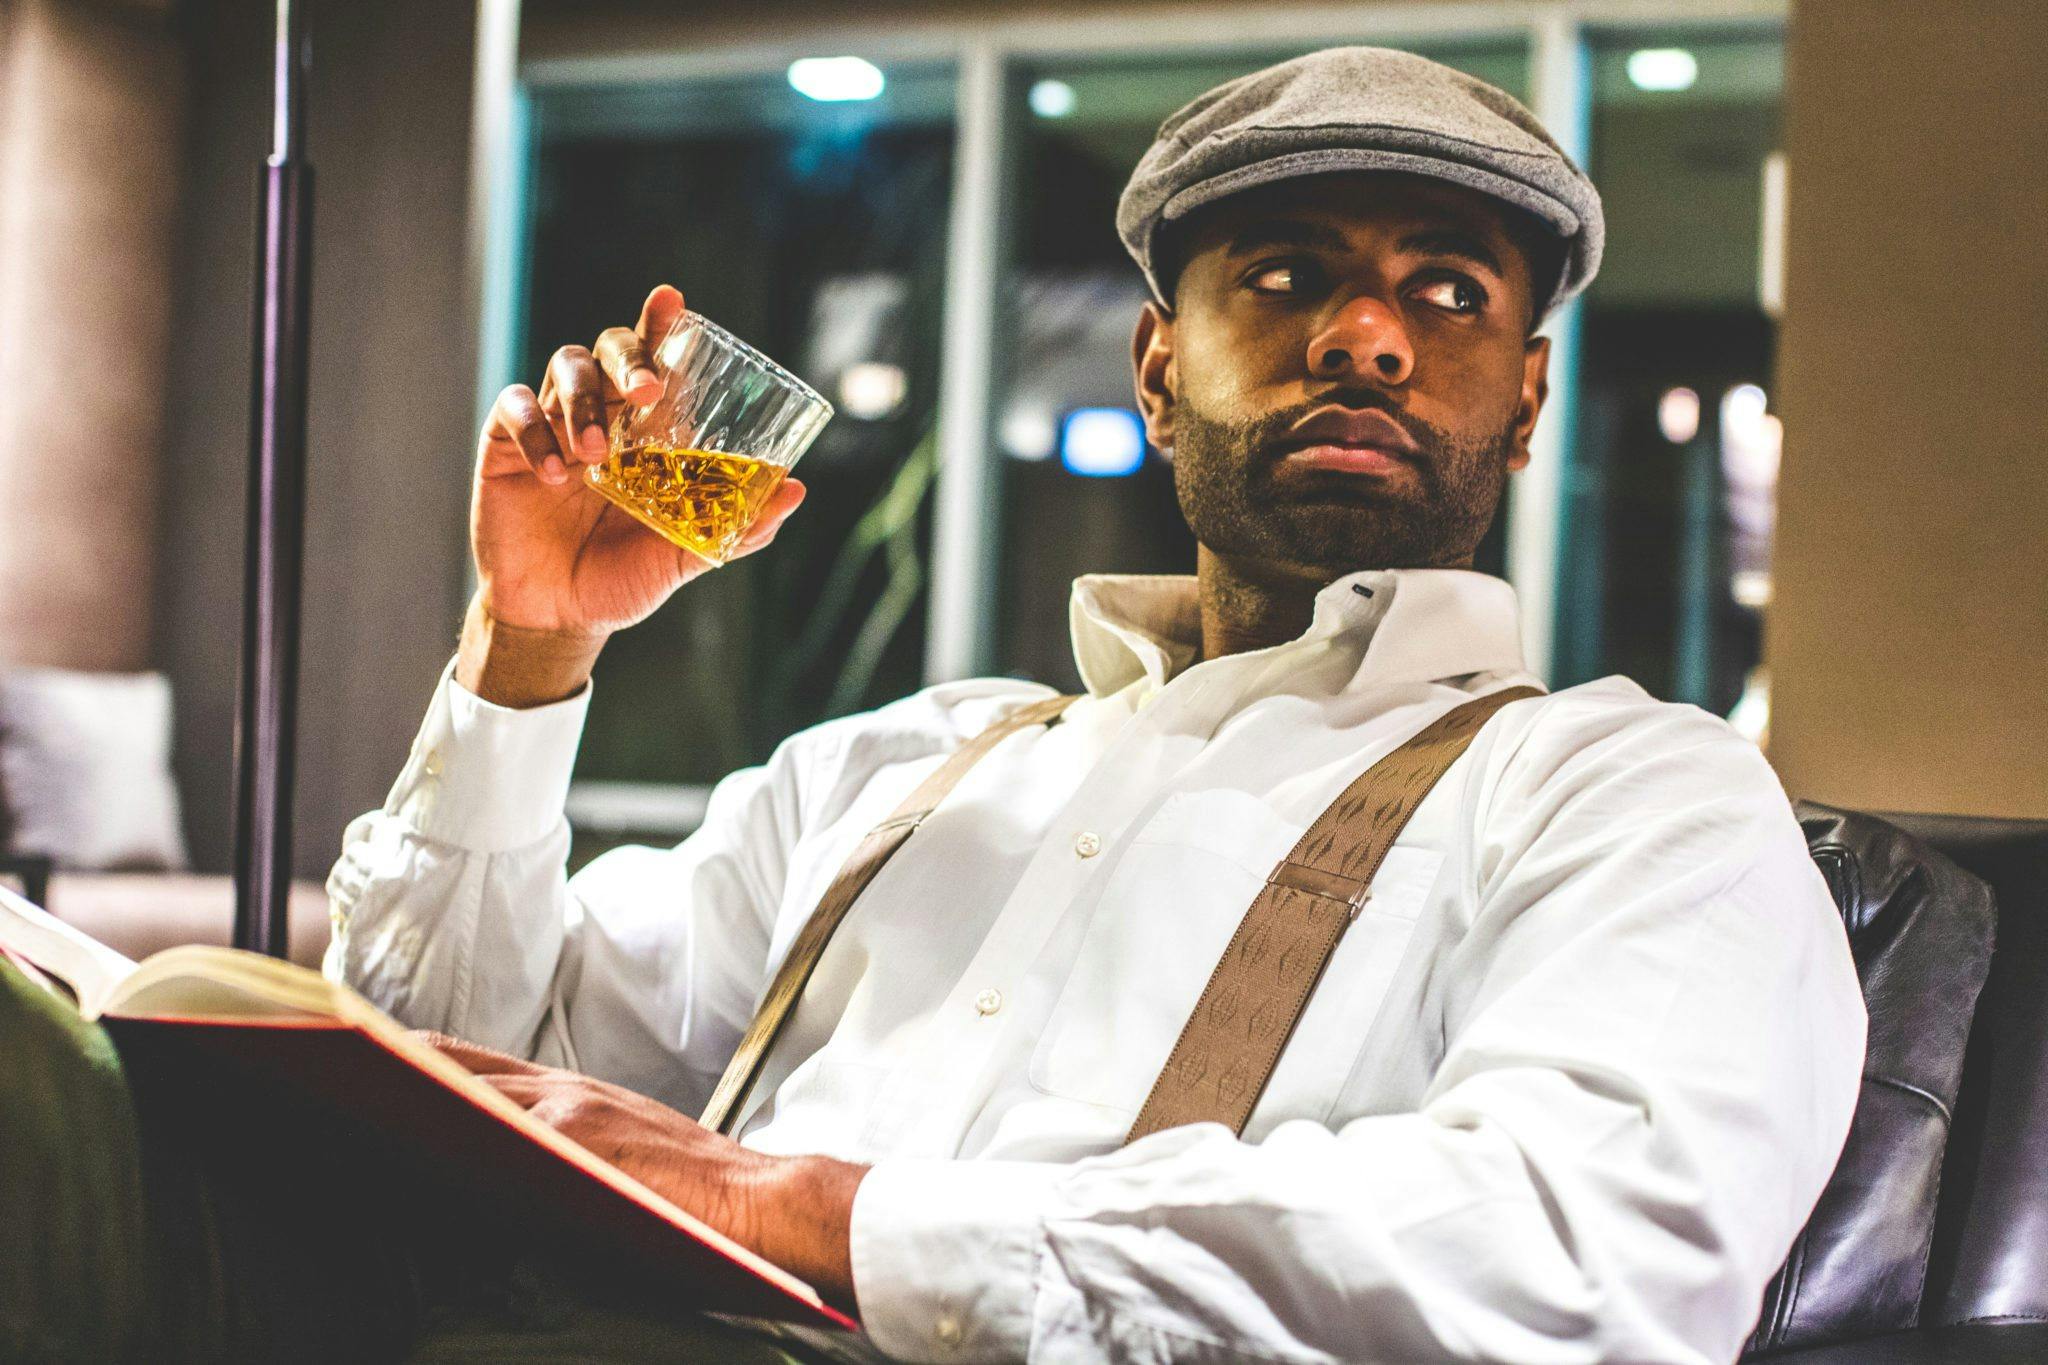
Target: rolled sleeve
{"points": [[945, 1256], [488, 778]]}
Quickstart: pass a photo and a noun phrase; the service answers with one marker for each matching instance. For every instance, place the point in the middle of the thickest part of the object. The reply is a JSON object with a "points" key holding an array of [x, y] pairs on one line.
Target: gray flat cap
{"points": [[1360, 109]]}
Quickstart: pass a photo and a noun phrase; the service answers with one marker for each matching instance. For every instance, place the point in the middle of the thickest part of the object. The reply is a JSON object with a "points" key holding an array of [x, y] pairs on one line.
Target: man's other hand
{"points": [[795, 1211]]}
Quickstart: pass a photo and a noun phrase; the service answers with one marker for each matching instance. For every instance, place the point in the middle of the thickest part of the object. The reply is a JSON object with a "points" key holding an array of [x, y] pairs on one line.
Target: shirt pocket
{"points": [[1167, 912]]}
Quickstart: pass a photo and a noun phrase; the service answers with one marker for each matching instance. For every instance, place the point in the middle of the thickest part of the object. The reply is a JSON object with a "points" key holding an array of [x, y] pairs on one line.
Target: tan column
{"points": [[1908, 638], [91, 114]]}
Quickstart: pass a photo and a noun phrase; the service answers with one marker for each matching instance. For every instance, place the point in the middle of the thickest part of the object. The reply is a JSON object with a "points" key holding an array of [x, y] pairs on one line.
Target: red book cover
{"points": [[465, 1144], [256, 1060]]}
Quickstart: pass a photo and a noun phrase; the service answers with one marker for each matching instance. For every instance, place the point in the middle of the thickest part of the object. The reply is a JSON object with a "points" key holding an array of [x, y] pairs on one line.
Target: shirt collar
{"points": [[1410, 625]]}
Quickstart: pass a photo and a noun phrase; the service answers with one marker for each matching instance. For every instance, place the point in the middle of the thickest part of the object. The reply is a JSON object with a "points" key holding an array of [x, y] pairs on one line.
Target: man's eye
{"points": [[1453, 295], [1286, 277]]}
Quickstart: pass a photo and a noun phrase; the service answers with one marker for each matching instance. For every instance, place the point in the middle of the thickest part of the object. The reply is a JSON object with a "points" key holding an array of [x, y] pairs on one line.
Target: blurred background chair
{"points": [[89, 815]]}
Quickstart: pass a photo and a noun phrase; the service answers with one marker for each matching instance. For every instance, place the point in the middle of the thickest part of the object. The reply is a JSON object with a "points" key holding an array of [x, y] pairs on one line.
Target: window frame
{"points": [[989, 58]]}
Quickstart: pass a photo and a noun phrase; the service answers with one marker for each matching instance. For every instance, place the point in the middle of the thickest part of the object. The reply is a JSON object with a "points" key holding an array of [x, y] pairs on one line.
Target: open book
{"points": [[291, 1038]]}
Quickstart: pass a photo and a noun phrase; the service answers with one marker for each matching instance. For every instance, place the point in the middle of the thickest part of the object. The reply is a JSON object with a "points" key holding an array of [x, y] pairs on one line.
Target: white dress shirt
{"points": [[1566, 1092]]}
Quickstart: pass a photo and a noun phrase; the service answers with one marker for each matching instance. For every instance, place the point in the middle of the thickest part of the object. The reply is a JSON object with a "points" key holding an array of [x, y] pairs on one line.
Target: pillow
{"points": [[85, 769]]}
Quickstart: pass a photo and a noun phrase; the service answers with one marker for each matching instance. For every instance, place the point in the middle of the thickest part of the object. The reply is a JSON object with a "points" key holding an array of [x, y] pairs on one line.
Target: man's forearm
{"points": [[516, 667], [803, 1221]]}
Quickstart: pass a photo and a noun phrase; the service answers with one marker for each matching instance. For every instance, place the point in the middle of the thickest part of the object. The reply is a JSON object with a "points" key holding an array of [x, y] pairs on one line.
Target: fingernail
{"points": [[593, 441], [643, 377], [552, 470]]}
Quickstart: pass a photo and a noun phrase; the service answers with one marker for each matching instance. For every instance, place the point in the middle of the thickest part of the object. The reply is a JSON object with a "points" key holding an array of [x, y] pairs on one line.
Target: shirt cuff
{"points": [[484, 777], [945, 1256]]}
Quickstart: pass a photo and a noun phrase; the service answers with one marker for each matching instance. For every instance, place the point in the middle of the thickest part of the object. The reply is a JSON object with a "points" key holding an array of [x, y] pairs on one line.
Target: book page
{"points": [[90, 968], [205, 981]]}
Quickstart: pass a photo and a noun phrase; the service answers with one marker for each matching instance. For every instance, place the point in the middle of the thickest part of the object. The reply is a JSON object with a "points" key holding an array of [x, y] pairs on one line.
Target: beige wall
{"points": [[1908, 642], [91, 114]]}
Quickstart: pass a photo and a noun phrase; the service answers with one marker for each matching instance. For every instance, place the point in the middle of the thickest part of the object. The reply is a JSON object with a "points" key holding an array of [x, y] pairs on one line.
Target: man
{"points": [[1571, 1079], [1568, 1087]]}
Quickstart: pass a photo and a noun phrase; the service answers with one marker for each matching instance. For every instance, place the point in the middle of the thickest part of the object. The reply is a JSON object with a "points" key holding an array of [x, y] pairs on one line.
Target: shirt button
{"points": [[988, 1002], [431, 765], [1087, 844], [947, 1330]]}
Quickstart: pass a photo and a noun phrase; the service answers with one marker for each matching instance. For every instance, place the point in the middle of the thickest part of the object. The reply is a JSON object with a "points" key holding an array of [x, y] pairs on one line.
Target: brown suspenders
{"points": [[1224, 1056], [876, 849], [1226, 1053]]}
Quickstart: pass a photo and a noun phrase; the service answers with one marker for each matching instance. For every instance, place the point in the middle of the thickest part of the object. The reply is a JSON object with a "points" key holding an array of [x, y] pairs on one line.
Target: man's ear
{"points": [[1153, 373], [1535, 389]]}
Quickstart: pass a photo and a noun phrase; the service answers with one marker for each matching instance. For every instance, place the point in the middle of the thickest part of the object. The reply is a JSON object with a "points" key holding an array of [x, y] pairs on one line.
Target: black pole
{"points": [[265, 713]]}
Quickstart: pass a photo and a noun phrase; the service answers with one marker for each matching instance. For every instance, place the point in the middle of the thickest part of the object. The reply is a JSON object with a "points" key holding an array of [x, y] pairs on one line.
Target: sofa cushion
{"points": [[85, 768]]}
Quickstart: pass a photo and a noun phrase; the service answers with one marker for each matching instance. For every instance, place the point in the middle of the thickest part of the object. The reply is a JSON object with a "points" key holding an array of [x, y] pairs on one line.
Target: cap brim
{"points": [[1559, 216]]}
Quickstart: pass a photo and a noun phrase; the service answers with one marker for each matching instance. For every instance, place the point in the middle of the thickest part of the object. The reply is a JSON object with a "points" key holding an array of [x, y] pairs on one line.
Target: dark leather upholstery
{"points": [[1991, 1238], [1921, 930], [1960, 1244], [2024, 1343]]}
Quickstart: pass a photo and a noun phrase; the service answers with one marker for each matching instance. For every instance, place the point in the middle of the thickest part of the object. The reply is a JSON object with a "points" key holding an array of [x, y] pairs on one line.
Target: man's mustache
{"points": [[1265, 433]]}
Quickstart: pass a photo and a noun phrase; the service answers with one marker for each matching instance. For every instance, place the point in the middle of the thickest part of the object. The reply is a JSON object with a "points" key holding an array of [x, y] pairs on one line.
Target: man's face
{"points": [[1347, 375]]}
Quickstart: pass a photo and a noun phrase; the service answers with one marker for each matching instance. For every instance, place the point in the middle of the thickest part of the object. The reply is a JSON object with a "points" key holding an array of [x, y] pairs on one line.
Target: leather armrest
{"points": [[1972, 1343]]}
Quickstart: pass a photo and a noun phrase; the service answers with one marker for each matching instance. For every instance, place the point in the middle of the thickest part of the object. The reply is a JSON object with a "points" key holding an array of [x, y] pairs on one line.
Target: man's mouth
{"points": [[1346, 441]]}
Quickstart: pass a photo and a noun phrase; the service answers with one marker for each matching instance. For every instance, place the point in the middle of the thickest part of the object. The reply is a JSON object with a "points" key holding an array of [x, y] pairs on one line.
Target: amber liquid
{"points": [[703, 500]]}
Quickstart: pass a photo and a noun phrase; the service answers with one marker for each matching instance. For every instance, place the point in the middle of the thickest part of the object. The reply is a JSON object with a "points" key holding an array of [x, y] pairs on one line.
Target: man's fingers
{"points": [[664, 305], [785, 500], [517, 417], [569, 1104], [576, 403], [629, 365], [480, 1060], [657, 318], [518, 1086], [544, 1097]]}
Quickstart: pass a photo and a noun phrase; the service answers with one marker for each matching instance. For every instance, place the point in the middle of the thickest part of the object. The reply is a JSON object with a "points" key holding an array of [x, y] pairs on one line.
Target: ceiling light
{"points": [[1052, 99], [1662, 68], [836, 78]]}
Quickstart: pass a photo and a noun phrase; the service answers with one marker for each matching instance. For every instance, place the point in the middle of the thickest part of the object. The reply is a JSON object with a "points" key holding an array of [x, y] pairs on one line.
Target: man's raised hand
{"points": [[558, 566]]}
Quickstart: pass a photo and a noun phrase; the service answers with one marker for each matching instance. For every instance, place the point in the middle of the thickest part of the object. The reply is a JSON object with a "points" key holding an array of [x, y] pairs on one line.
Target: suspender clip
{"points": [[1316, 882]]}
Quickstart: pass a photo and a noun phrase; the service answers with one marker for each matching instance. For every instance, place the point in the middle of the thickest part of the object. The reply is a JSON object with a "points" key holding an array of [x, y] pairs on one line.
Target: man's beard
{"points": [[1224, 475]]}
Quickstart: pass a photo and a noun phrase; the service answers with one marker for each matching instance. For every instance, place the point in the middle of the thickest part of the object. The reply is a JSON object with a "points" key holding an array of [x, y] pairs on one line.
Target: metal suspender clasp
{"points": [[905, 822], [1316, 882]]}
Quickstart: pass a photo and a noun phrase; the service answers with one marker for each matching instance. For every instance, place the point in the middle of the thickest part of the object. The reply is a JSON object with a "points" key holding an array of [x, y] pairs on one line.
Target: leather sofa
{"points": [[1930, 1244]]}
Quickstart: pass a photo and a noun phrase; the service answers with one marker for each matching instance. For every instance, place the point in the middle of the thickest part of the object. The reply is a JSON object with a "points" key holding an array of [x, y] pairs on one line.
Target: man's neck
{"points": [[1250, 605]]}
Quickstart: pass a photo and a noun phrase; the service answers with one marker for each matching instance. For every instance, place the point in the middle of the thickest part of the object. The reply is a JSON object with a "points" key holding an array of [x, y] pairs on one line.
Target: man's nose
{"points": [[1366, 340]]}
